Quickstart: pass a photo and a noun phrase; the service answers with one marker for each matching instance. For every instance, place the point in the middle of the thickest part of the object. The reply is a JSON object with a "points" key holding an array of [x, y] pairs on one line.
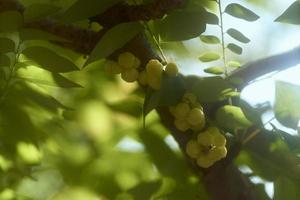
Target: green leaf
{"points": [[128, 106], [49, 60], [182, 25], [114, 39], [6, 45], [211, 18], [239, 11], [159, 151], [38, 11], [234, 64], [238, 35], [145, 190], [208, 57], [232, 118], [287, 104], [210, 89], [10, 21], [83, 9], [35, 34], [170, 93], [284, 188], [215, 70], [235, 48], [42, 77], [291, 15], [4, 60], [210, 39]]}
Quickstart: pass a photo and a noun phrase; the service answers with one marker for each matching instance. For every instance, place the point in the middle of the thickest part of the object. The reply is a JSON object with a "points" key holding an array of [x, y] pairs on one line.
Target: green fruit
{"points": [[195, 117], [198, 127], [193, 149], [181, 110], [154, 67], [189, 98], [217, 153], [143, 78], [171, 69], [127, 60], [181, 125], [205, 139], [112, 67], [204, 162], [130, 75], [137, 63], [154, 81]]}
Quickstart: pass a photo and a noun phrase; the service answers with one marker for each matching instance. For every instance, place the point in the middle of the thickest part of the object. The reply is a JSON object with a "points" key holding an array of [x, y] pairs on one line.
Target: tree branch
{"points": [[264, 66], [121, 12]]}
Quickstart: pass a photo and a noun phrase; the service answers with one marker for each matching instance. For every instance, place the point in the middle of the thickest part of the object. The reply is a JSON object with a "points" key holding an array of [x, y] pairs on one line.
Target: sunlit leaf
{"points": [[208, 57], [235, 48], [10, 21], [210, 39], [39, 10], [234, 64], [287, 104], [6, 45], [238, 35], [129, 106], [239, 11], [83, 9], [49, 60], [291, 15], [35, 34], [114, 39], [39, 76], [182, 25], [215, 70], [232, 118]]}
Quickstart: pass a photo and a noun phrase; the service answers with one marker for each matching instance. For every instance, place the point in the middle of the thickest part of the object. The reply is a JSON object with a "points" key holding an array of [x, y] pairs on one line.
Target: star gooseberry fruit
{"points": [[127, 60], [130, 75], [208, 148], [171, 69], [112, 67], [154, 71], [195, 117]]}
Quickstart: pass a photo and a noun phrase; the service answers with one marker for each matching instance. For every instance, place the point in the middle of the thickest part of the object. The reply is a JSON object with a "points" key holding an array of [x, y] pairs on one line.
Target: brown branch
{"points": [[264, 66], [121, 12]]}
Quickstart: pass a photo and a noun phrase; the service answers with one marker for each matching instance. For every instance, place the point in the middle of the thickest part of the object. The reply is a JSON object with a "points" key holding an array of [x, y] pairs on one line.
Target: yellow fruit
{"points": [[143, 78], [127, 60], [219, 139], [193, 149], [112, 67], [130, 75], [154, 81], [181, 110], [171, 69], [154, 67], [217, 153], [137, 63], [181, 125], [198, 127], [195, 117], [189, 98], [204, 162], [205, 139]]}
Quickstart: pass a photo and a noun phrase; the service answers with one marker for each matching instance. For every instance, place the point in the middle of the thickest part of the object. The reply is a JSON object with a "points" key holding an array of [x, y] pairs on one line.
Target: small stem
{"points": [[222, 37], [156, 42]]}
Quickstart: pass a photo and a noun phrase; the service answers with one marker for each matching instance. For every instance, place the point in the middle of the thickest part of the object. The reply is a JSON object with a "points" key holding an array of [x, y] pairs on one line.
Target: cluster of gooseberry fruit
{"points": [[128, 66], [208, 148], [188, 114]]}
